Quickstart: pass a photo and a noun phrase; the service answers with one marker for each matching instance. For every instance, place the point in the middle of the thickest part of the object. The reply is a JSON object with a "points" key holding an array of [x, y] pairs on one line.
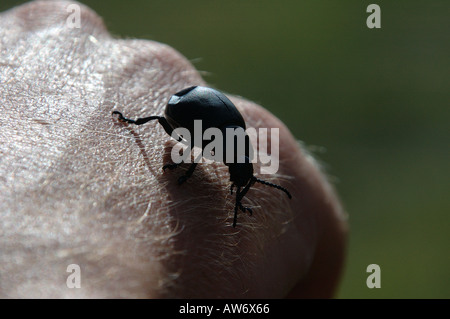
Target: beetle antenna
{"points": [[274, 186]]}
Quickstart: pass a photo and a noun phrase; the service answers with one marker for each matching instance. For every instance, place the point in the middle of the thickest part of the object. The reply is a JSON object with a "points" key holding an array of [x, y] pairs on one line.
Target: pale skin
{"points": [[79, 187]]}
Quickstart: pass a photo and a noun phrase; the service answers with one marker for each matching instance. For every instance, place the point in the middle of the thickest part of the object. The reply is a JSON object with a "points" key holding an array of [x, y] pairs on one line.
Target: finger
{"points": [[132, 220]]}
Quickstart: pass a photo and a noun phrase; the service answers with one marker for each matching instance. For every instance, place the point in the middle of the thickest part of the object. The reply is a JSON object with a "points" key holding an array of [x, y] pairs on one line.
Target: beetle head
{"points": [[241, 173]]}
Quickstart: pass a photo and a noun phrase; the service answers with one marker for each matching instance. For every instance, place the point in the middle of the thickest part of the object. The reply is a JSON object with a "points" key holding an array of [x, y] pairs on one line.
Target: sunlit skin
{"points": [[78, 187]]}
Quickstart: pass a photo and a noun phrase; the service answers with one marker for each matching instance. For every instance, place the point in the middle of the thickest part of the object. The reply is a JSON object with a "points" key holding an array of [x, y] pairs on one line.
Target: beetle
{"points": [[215, 110]]}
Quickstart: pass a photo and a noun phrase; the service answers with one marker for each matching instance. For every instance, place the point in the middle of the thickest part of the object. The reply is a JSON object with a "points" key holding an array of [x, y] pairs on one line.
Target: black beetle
{"points": [[215, 110]]}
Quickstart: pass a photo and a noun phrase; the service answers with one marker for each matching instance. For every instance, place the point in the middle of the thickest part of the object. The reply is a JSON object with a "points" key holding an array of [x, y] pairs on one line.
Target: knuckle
{"points": [[37, 15]]}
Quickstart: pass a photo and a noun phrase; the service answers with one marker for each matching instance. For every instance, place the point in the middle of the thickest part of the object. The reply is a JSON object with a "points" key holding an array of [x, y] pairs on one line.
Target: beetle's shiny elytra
{"points": [[215, 110]]}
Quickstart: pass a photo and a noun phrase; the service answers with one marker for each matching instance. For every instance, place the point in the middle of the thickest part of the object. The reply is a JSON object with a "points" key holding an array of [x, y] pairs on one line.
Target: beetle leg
{"points": [[142, 120], [171, 166], [235, 216], [231, 188], [240, 195], [236, 205], [139, 121], [243, 208], [246, 189], [188, 174], [169, 130]]}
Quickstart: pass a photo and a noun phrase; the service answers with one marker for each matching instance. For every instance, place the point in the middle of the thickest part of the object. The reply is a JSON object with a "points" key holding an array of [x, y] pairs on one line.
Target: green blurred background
{"points": [[372, 104]]}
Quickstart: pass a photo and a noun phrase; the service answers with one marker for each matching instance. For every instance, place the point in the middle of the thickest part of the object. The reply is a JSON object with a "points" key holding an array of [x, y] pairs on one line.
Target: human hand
{"points": [[78, 187]]}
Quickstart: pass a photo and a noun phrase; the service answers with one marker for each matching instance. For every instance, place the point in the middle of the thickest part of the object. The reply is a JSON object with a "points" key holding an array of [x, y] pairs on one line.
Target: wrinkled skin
{"points": [[79, 187]]}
